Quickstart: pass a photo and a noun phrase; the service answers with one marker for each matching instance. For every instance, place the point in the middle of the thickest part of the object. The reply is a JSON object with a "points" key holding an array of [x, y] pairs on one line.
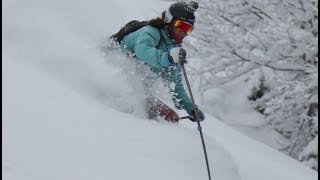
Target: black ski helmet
{"points": [[181, 10]]}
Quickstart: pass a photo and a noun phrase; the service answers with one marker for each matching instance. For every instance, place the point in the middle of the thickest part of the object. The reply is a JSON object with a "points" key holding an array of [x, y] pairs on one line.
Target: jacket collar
{"points": [[168, 39]]}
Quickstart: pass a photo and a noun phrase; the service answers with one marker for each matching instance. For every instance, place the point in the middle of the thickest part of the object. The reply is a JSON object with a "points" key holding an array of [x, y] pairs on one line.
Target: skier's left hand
{"points": [[192, 115]]}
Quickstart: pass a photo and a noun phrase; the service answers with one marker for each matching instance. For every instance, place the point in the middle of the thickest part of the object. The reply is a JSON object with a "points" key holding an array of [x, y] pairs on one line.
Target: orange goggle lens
{"points": [[183, 26]]}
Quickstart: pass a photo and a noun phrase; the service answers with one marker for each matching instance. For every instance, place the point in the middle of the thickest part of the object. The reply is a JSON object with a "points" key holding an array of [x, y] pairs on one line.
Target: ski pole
{"points": [[186, 117], [197, 118]]}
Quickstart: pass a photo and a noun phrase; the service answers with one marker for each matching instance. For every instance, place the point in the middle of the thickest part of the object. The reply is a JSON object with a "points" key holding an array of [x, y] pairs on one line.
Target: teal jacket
{"points": [[143, 43]]}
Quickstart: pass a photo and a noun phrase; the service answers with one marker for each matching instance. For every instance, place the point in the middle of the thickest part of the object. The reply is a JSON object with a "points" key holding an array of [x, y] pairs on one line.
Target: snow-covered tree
{"points": [[280, 39], [309, 156]]}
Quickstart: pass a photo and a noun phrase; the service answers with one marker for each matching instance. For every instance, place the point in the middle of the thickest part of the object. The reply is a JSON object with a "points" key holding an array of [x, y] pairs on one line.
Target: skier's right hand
{"points": [[177, 55], [192, 115]]}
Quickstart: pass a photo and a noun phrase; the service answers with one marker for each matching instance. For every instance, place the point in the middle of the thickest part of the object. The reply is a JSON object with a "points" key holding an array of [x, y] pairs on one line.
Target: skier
{"points": [[158, 45]]}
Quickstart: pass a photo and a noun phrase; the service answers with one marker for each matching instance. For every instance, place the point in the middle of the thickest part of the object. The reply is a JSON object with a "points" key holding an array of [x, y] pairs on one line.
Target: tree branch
{"points": [[266, 65]]}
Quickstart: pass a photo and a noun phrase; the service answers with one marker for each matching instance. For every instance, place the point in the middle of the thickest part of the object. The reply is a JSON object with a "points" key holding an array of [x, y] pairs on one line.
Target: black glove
{"points": [[192, 115]]}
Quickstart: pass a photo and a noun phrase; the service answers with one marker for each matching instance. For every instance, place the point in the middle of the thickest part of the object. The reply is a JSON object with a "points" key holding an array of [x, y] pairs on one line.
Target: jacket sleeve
{"points": [[180, 97], [146, 51]]}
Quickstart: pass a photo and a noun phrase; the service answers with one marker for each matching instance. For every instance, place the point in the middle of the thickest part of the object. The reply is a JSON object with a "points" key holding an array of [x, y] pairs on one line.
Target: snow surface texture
{"points": [[72, 113]]}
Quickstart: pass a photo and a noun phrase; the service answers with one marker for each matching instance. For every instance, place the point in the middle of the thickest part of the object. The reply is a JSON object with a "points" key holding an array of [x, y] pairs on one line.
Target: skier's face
{"points": [[182, 26], [180, 29]]}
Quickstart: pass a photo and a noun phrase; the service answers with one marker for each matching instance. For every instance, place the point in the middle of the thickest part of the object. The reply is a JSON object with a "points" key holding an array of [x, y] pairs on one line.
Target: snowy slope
{"points": [[71, 113]]}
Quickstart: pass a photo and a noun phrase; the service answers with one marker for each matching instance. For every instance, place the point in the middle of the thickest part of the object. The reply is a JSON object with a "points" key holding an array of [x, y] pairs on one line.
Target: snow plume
{"points": [[129, 96], [138, 77]]}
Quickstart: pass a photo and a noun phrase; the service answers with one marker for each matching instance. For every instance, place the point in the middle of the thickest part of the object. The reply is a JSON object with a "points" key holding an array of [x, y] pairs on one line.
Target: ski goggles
{"points": [[183, 26]]}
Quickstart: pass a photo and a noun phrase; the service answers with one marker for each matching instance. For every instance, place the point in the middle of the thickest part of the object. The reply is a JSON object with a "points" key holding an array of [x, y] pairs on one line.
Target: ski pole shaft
{"points": [[197, 119], [186, 117]]}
